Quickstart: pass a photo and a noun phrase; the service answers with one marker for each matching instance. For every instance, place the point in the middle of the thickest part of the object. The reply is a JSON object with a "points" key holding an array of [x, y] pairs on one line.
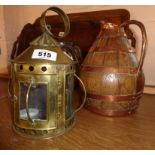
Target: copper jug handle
{"points": [[64, 18], [144, 41], [85, 94]]}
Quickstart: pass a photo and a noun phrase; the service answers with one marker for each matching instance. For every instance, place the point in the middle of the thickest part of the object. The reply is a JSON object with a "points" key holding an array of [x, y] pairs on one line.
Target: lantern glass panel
{"points": [[37, 101]]}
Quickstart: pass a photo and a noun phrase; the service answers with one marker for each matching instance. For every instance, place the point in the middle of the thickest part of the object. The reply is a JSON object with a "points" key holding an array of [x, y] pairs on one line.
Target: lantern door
{"points": [[36, 98]]}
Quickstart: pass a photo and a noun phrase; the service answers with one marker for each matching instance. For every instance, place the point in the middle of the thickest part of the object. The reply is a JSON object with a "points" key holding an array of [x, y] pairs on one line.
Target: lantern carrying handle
{"points": [[73, 48], [144, 40], [64, 18], [27, 103], [85, 94]]}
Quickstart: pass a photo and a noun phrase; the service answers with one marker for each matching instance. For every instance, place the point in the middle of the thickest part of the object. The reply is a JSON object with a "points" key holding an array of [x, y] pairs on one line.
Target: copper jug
{"points": [[111, 72]]}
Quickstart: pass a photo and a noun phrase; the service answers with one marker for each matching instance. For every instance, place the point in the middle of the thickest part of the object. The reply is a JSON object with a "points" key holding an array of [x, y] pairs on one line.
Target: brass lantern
{"points": [[43, 85]]}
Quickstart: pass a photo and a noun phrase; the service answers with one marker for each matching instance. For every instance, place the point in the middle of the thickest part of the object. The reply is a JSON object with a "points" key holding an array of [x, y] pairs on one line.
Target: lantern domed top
{"points": [[44, 49]]}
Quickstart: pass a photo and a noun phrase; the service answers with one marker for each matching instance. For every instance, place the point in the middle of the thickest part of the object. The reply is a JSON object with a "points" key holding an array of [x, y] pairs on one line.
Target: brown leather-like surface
{"points": [[109, 69], [115, 98], [110, 72]]}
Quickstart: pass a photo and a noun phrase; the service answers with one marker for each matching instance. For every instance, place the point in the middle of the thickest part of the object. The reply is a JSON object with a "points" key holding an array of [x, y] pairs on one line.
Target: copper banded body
{"points": [[111, 71]]}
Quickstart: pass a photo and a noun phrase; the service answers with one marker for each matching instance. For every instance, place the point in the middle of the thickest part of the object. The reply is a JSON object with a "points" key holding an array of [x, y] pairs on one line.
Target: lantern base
{"points": [[34, 133]]}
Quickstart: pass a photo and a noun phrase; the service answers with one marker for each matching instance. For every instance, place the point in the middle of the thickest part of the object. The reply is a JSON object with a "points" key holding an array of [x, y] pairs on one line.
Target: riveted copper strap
{"points": [[109, 69], [112, 98], [106, 112]]}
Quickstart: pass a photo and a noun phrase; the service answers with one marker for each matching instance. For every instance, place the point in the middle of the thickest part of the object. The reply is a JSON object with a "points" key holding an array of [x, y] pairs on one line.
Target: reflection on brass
{"points": [[111, 72], [43, 84]]}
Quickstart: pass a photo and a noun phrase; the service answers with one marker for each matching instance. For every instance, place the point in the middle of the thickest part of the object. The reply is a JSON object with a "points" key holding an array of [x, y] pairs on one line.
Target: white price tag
{"points": [[44, 54]]}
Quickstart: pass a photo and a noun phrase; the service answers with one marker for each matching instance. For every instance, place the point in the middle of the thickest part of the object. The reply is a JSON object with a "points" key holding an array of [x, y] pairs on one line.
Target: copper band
{"points": [[105, 112], [109, 69], [112, 98]]}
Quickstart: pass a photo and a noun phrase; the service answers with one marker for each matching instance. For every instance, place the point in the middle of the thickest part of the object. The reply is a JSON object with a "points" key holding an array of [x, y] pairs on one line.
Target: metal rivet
{"points": [[45, 132]]}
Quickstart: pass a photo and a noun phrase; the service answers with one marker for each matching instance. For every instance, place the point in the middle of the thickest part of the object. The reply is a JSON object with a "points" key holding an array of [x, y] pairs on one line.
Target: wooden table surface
{"points": [[91, 131]]}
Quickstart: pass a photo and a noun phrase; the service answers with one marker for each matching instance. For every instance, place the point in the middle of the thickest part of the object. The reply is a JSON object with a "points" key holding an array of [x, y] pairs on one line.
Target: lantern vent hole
{"points": [[44, 68], [21, 67], [31, 68]]}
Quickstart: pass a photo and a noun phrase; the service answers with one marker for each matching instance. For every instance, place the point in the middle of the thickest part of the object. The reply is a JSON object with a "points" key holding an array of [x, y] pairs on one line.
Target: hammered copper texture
{"points": [[110, 73]]}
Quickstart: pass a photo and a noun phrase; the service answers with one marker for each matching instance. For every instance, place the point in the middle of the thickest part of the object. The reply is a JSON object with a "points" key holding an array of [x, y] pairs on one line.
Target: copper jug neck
{"points": [[110, 30], [108, 25]]}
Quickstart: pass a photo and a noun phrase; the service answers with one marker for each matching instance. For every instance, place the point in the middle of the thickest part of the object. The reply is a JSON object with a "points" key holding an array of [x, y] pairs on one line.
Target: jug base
{"points": [[111, 113]]}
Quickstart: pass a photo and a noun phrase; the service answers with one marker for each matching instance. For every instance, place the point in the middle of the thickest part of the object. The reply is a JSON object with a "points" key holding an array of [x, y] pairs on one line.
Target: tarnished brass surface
{"points": [[64, 18], [111, 72], [43, 88]]}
